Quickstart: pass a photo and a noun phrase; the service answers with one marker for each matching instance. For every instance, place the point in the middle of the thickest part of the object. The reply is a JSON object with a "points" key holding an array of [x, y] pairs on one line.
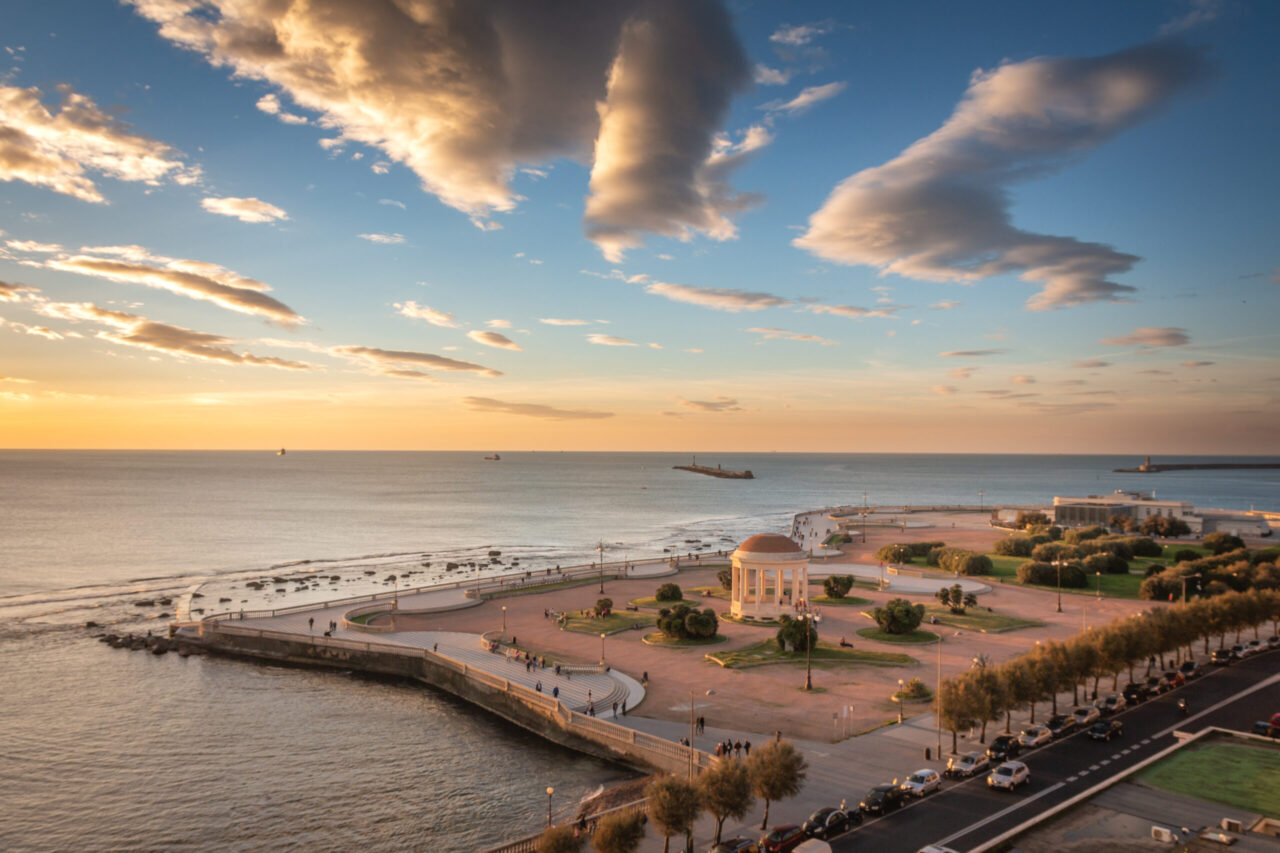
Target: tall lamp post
{"points": [[808, 651], [1058, 565], [602, 636], [600, 548], [550, 791], [504, 623], [1099, 574], [1186, 578], [936, 703]]}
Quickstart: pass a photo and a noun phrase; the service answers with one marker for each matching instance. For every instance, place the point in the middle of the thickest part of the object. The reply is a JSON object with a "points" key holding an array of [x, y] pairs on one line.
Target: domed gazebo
{"points": [[770, 576]]}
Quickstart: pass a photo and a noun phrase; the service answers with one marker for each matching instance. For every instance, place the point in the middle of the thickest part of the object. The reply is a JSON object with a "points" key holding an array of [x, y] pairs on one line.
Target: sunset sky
{"points": [[640, 225]]}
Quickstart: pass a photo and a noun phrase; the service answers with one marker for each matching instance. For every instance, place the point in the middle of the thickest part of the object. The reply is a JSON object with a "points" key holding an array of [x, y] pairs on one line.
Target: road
{"points": [[964, 815]]}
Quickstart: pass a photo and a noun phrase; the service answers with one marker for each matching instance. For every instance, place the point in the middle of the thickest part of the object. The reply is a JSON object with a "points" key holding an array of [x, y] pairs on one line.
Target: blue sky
{"points": [[1145, 130]]}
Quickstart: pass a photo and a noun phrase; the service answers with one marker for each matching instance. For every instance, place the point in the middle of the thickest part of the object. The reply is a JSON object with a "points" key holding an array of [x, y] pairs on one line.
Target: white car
{"points": [[1086, 715], [1009, 775], [1035, 736], [1113, 704], [922, 782]]}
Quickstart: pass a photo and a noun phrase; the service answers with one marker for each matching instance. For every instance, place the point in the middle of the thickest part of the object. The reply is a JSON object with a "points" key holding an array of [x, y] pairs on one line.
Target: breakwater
{"points": [[1206, 466], [716, 472]]}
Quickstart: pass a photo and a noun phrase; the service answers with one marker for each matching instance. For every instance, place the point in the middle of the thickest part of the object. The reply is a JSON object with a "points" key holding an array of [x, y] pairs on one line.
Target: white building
{"points": [[770, 575], [1098, 509]]}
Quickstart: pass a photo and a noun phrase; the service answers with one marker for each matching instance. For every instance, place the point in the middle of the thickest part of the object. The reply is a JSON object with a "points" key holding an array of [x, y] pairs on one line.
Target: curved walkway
{"points": [[896, 583]]}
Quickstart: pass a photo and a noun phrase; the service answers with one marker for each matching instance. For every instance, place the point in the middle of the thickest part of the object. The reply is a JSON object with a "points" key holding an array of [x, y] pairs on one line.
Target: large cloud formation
{"points": [[59, 150], [940, 210], [465, 93]]}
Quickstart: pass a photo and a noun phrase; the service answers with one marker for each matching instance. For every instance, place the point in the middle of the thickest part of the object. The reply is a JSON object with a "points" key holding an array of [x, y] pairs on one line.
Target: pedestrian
{"points": [[615, 709], [435, 647], [591, 709], [702, 724], [538, 687], [624, 707], [555, 692], [737, 749], [311, 624], [746, 752], [644, 679], [588, 695], [719, 749]]}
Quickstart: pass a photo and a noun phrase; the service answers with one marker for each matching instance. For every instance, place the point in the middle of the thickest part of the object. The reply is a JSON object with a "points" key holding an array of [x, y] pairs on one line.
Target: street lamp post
{"points": [[902, 686], [550, 791], [1185, 578], [602, 636], [1058, 565], [504, 622], [1099, 574], [600, 548], [982, 496], [937, 699], [808, 651]]}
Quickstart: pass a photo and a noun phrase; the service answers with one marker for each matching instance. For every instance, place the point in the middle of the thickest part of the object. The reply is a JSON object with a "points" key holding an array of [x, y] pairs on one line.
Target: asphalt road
{"points": [[966, 814]]}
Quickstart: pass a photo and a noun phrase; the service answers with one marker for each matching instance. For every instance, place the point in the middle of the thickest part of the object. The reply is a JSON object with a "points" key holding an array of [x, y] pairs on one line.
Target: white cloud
{"points": [[800, 35], [391, 202], [1200, 13], [532, 410], [945, 306], [1198, 363], [244, 209], [1022, 379], [609, 340], [466, 94], [270, 104], [770, 334], [808, 96], [493, 339], [16, 292], [962, 372], [944, 390], [382, 239], [940, 210], [410, 308], [32, 247], [766, 76], [58, 151], [403, 363], [853, 311], [1151, 336], [557, 321], [970, 353], [718, 298], [498, 324]]}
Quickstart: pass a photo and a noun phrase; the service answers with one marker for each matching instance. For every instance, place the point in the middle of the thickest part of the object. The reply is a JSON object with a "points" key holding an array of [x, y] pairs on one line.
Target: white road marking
{"points": [[1094, 766], [973, 826]]}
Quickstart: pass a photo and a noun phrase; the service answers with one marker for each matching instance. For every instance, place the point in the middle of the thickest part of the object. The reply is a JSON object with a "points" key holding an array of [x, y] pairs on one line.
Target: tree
{"points": [[683, 622], [618, 833], [1163, 526], [776, 770], [898, 616], [837, 586], [1014, 546], [1221, 543], [956, 598], [953, 711], [604, 606], [673, 806], [894, 553], [559, 839], [669, 592], [1107, 563], [1027, 519], [725, 577], [725, 792], [793, 634]]}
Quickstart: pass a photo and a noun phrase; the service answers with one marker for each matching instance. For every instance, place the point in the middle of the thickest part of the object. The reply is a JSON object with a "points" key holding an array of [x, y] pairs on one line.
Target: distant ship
{"points": [[494, 458], [280, 452]]}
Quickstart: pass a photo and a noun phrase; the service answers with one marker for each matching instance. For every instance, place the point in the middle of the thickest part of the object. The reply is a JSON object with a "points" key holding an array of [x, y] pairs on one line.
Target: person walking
{"points": [[746, 751], [615, 709], [311, 624], [555, 692], [624, 707], [737, 749]]}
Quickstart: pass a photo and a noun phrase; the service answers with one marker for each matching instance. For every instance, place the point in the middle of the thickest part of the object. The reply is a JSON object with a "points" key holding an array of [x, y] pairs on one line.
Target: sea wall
{"points": [[535, 712]]}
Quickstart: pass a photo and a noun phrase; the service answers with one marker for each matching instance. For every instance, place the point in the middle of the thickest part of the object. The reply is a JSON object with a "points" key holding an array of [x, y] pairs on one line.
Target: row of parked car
{"points": [[1003, 772]]}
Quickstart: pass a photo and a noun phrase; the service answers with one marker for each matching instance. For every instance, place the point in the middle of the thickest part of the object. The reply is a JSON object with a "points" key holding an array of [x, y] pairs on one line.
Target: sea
{"points": [[104, 749]]}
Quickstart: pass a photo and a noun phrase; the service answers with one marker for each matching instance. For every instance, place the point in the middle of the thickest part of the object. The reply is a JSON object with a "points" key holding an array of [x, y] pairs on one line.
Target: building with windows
{"points": [[1098, 509]]}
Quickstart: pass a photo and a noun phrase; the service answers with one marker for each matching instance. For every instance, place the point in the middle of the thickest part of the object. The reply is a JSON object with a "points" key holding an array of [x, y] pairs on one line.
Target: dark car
{"points": [[1222, 657], [782, 839], [1190, 669], [734, 845], [1239, 651], [1273, 642], [1061, 725], [1106, 729], [1174, 678], [1156, 685], [1135, 691], [825, 823], [1003, 748], [883, 799]]}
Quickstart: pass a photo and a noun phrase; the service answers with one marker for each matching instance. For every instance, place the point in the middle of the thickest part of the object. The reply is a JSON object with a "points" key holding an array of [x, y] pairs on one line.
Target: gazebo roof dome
{"points": [[770, 543]]}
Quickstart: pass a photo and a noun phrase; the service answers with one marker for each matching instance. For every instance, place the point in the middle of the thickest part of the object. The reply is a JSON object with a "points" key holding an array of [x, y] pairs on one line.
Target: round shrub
{"points": [[669, 592], [1039, 539], [1119, 546], [971, 564], [837, 586], [1014, 546], [1108, 564], [1145, 547], [793, 633], [1083, 534], [1051, 551], [899, 616], [894, 553], [1185, 555], [1221, 543], [1044, 574]]}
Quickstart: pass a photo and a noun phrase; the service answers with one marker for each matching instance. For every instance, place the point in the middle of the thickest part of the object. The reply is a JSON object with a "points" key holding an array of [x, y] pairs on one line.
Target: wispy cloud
{"points": [[719, 404], [244, 209], [384, 239], [970, 353], [771, 334], [391, 202], [560, 321], [717, 298], [498, 324], [946, 305], [16, 292], [33, 247], [962, 372], [493, 339], [854, 311], [766, 76], [1198, 363], [1200, 13], [610, 341], [425, 312], [1022, 379], [1151, 336], [940, 210], [944, 390], [270, 104], [58, 151], [1090, 363], [532, 410], [808, 96], [409, 359], [800, 34]]}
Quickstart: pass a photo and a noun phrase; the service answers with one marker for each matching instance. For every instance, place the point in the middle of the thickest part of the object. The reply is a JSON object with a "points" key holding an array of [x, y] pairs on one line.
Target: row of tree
{"points": [[985, 692], [1237, 570], [727, 789]]}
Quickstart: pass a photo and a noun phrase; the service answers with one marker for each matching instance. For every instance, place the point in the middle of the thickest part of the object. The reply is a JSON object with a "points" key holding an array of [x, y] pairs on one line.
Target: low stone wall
{"points": [[534, 712]]}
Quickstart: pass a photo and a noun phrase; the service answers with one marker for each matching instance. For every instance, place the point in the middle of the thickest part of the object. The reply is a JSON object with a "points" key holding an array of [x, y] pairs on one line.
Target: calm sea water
{"points": [[109, 750]]}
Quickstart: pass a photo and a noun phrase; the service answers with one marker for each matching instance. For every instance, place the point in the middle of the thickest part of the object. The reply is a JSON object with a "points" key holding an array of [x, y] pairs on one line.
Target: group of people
{"points": [[311, 625], [733, 749]]}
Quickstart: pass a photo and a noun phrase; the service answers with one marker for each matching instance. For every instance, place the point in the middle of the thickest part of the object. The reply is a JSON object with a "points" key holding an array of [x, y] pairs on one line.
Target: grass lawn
{"points": [[544, 587], [363, 618], [655, 604], [767, 651], [977, 619], [611, 624], [1113, 586], [657, 638], [1231, 774], [710, 592], [841, 602], [916, 636]]}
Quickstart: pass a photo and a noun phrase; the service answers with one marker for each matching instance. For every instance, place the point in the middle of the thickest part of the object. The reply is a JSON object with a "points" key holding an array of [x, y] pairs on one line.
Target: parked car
{"points": [[1106, 730], [964, 766], [1222, 657], [1112, 704], [1061, 725], [1238, 650], [1136, 691], [1273, 642], [781, 839], [825, 823], [1035, 736], [1190, 669], [1009, 775], [922, 782], [883, 799], [1175, 678], [1085, 715], [734, 845], [1254, 646], [1156, 685], [1003, 748]]}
